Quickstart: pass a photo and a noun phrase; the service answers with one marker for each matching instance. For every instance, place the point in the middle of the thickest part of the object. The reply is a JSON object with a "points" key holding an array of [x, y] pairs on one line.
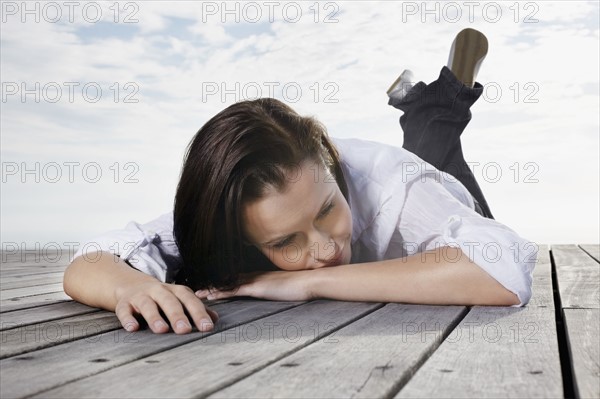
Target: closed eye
{"points": [[327, 209], [285, 242]]}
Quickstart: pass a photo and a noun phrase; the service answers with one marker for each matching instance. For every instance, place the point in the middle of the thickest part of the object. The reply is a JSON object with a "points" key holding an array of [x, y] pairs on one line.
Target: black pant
{"points": [[435, 116]]}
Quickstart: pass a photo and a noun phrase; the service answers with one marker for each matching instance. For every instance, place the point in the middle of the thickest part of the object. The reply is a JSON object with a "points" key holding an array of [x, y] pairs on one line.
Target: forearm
{"points": [[97, 283], [445, 276]]}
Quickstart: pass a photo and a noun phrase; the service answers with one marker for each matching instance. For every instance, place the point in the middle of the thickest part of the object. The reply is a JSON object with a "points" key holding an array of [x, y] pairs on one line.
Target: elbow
{"points": [[517, 298], [499, 296], [68, 278], [510, 299], [72, 277]]}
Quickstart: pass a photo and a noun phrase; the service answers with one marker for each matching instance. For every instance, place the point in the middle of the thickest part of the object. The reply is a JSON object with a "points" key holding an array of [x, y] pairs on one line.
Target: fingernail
{"points": [[130, 325], [200, 292], [159, 324], [206, 324], [182, 325]]}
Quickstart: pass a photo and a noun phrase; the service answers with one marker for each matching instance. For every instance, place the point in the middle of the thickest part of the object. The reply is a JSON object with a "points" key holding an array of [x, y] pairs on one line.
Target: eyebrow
{"points": [[281, 238]]}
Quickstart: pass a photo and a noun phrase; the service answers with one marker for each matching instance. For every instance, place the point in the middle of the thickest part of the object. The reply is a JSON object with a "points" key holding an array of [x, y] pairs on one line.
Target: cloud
{"points": [[540, 103]]}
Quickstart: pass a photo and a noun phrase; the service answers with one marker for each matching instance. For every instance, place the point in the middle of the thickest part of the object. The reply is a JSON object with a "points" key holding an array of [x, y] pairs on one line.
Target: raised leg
{"points": [[435, 116]]}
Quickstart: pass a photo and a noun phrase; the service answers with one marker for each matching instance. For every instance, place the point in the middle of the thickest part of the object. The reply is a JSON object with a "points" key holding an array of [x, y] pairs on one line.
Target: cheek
{"points": [[289, 258], [341, 225]]}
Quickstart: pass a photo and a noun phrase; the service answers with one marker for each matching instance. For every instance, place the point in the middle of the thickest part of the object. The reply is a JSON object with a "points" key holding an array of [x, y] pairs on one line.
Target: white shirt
{"points": [[400, 204]]}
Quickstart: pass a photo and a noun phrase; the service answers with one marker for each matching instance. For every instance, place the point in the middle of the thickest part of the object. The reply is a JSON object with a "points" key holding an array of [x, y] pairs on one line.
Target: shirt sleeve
{"points": [[432, 217], [149, 248]]}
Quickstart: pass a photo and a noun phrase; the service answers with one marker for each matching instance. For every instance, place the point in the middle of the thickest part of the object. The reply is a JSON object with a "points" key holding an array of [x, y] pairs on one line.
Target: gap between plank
{"points": [[166, 348], [563, 348], [397, 387], [291, 352]]}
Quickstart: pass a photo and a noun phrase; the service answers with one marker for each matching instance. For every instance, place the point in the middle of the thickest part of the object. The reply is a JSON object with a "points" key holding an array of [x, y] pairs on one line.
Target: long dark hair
{"points": [[231, 161]]}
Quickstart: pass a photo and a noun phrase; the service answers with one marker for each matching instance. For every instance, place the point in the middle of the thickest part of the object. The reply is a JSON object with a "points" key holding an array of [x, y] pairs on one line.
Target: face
{"points": [[307, 226]]}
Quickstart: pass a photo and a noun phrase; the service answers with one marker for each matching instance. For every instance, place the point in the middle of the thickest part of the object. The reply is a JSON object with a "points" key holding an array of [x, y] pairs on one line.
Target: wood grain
{"points": [[498, 351], [6, 295], [19, 318], [372, 356], [203, 366], [37, 371], [41, 335], [578, 277], [33, 301], [592, 249], [583, 335]]}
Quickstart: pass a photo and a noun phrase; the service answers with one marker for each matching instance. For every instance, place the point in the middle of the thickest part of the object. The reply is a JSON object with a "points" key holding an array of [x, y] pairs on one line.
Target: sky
{"points": [[100, 100]]}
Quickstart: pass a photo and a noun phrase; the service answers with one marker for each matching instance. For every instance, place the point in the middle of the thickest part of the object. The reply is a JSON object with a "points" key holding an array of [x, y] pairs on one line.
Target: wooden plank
{"points": [[19, 318], [32, 301], [28, 338], [36, 372], [22, 267], [43, 279], [36, 256], [24, 275], [9, 278], [30, 272], [366, 359], [376, 368], [37, 259], [499, 350], [220, 359], [583, 341], [592, 249], [29, 291], [542, 291], [578, 276], [495, 352]]}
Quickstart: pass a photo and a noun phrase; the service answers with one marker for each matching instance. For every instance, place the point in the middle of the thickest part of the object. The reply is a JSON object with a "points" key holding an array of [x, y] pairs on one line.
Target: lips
{"points": [[336, 260]]}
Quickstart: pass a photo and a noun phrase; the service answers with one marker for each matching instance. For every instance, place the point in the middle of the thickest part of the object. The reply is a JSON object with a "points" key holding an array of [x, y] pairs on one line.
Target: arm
{"points": [[111, 284], [444, 276]]}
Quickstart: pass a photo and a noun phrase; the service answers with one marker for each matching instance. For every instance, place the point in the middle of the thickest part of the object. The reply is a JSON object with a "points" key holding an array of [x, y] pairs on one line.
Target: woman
{"points": [[269, 206]]}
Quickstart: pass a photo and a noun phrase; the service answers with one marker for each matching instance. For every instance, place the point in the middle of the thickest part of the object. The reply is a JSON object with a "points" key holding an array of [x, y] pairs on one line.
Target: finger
{"points": [[219, 295], [213, 315], [147, 307], [202, 293], [173, 309], [124, 313], [203, 317], [242, 290]]}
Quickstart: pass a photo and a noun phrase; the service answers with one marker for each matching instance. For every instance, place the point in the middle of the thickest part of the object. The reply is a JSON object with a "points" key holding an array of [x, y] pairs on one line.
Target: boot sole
{"points": [[466, 55]]}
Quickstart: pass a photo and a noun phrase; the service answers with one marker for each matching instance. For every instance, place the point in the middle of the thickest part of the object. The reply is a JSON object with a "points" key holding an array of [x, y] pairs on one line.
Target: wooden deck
{"points": [[54, 347]]}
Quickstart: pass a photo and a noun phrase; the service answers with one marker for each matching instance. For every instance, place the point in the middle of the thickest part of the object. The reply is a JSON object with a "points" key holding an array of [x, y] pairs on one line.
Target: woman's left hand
{"points": [[275, 285]]}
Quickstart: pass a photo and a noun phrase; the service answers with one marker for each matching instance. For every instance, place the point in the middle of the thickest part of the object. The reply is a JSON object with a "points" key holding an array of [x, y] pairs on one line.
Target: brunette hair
{"points": [[231, 161]]}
